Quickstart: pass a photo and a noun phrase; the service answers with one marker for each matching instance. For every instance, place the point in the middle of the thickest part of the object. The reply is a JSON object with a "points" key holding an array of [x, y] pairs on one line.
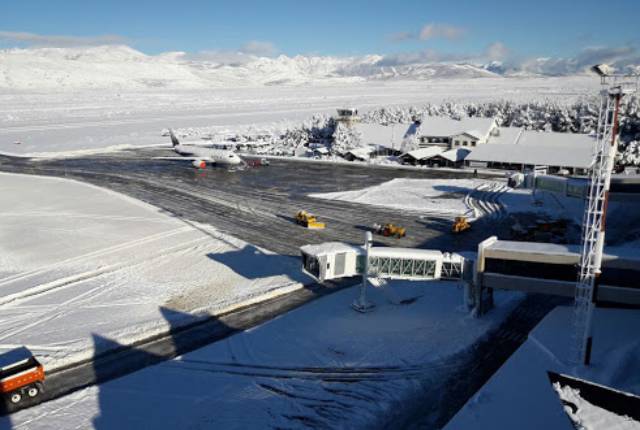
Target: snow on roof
{"points": [[424, 153], [620, 257], [455, 155], [377, 251], [380, 135], [530, 137], [381, 251], [517, 247], [329, 248], [519, 136], [445, 127], [507, 135], [541, 155], [362, 152], [473, 133]]}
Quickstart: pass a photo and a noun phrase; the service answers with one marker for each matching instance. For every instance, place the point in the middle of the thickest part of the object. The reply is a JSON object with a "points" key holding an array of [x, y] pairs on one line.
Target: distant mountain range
{"points": [[124, 67]]}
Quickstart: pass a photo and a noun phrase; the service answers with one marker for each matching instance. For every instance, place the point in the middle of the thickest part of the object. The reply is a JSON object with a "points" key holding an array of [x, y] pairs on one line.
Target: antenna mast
{"points": [[594, 221]]}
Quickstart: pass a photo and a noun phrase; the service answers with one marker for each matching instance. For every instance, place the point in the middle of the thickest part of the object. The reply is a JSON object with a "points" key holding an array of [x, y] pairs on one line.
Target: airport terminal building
{"points": [[518, 149]]}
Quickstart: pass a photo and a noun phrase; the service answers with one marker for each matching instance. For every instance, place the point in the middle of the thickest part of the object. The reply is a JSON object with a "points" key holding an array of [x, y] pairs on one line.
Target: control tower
{"points": [[348, 116]]}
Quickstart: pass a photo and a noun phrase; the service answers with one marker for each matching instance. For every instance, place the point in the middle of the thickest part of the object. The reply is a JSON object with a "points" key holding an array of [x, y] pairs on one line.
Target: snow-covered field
{"points": [[520, 395], [455, 197], [55, 121], [78, 261], [323, 365], [435, 196]]}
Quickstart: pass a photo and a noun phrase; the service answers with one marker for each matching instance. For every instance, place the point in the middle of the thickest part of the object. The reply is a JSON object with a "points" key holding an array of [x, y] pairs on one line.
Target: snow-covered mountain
{"points": [[124, 67]]}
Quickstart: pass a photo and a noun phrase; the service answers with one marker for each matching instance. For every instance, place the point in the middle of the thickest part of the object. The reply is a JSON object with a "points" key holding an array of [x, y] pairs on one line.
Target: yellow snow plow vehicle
{"points": [[308, 220], [390, 230], [460, 224]]}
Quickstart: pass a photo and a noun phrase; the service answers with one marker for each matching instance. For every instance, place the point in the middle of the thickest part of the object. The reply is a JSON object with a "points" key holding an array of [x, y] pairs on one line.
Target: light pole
{"points": [[361, 304]]}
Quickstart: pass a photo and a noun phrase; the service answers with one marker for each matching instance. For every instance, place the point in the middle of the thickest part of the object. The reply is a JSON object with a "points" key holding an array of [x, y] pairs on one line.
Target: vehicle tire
{"points": [[15, 398], [33, 391]]}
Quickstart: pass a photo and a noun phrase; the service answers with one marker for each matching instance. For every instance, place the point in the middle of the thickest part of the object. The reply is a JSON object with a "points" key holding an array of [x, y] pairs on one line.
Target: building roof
{"points": [[415, 253], [620, 257], [376, 251], [472, 133], [539, 155], [424, 153], [455, 155], [362, 152], [519, 136], [329, 248], [388, 136], [517, 146], [445, 127], [506, 135]]}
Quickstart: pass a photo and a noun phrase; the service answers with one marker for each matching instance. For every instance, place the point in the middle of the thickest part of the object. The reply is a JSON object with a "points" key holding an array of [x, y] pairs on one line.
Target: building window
{"points": [[457, 143], [473, 143], [465, 143]]}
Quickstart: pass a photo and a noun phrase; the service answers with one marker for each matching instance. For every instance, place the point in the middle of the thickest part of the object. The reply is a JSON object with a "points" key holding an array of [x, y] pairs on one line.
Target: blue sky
{"points": [[556, 28]]}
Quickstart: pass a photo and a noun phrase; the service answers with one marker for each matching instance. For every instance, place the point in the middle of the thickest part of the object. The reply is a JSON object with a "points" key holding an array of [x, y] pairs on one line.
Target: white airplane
{"points": [[199, 156]]}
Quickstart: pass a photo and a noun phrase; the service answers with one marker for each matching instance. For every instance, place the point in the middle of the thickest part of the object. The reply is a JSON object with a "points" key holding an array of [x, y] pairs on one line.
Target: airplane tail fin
{"points": [[174, 139]]}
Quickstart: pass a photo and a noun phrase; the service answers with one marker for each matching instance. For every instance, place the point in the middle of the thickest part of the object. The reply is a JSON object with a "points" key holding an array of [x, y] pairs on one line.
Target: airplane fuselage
{"points": [[219, 157]]}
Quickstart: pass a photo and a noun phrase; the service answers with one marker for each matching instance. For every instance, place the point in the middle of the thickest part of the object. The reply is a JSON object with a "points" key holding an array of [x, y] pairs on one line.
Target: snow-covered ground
{"points": [[78, 261], [62, 121], [455, 197], [520, 395], [544, 202], [435, 196], [323, 365]]}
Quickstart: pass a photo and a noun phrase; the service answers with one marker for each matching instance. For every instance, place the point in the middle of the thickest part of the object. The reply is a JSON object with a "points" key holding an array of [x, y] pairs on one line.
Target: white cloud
{"points": [[259, 48], [33, 39], [621, 58], [496, 51], [441, 31], [246, 53]]}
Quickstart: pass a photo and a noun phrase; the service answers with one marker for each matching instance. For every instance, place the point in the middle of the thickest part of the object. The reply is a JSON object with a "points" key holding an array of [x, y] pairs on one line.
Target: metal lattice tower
{"points": [[594, 221]]}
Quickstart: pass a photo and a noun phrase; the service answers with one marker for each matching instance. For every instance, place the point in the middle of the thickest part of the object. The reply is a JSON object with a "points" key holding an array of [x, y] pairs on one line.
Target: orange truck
{"points": [[21, 376]]}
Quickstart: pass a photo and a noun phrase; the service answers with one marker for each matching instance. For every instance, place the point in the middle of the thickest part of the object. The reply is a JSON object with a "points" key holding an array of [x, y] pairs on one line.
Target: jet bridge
{"points": [[335, 260]]}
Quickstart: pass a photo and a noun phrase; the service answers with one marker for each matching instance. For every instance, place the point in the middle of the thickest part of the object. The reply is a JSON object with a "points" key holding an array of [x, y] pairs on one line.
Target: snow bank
{"points": [[78, 261], [589, 416], [322, 365]]}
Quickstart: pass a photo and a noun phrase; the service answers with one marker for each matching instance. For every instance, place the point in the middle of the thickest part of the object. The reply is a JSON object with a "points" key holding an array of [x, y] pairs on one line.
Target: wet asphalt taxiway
{"points": [[258, 204]]}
